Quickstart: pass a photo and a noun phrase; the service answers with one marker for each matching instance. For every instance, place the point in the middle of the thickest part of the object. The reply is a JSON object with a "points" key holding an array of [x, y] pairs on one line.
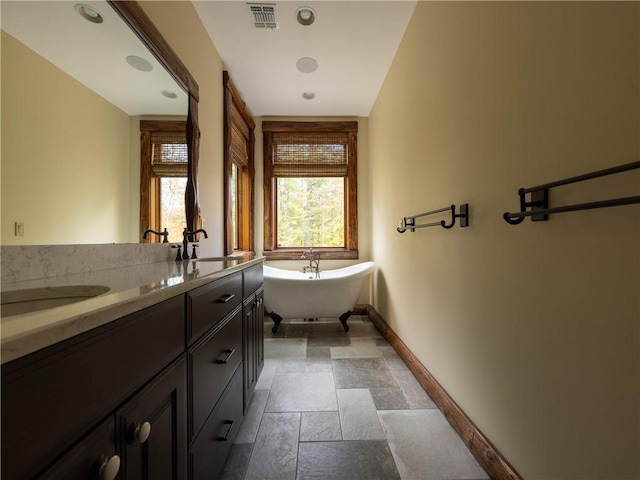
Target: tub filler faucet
{"points": [[314, 262]]}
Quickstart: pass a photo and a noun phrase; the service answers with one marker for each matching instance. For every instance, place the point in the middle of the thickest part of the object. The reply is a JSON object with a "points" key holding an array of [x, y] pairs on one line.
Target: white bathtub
{"points": [[293, 294]]}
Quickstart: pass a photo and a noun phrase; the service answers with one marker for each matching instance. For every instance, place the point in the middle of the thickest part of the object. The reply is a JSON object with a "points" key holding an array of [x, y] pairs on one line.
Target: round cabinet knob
{"points": [[109, 467], [141, 432]]}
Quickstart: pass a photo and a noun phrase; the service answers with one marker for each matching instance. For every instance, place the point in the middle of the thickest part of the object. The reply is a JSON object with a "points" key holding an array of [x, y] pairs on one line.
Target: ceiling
{"points": [[353, 42], [94, 54]]}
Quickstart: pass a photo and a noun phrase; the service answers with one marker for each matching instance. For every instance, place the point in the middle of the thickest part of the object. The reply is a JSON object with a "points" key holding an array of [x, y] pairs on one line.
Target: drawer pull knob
{"points": [[225, 438], [139, 432], [108, 467], [226, 298], [229, 353]]}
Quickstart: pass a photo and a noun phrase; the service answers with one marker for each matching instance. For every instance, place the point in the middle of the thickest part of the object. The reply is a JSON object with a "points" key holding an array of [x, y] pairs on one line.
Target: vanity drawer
{"points": [[209, 304], [253, 279], [210, 451], [211, 365], [51, 396]]}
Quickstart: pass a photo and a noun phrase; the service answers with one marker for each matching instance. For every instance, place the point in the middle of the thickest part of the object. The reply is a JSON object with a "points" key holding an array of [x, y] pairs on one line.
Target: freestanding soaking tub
{"points": [[294, 294]]}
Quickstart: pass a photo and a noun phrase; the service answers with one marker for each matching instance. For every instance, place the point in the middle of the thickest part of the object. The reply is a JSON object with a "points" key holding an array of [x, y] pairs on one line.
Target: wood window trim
{"points": [[235, 111], [149, 183], [271, 251]]}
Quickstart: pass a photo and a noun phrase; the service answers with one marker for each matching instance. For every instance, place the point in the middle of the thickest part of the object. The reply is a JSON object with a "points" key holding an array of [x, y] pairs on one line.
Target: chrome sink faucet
{"points": [[186, 235], [314, 261]]}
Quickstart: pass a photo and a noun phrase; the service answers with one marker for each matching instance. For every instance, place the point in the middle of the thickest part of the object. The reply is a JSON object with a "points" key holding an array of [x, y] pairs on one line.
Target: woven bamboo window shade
{"points": [[301, 154], [169, 154]]}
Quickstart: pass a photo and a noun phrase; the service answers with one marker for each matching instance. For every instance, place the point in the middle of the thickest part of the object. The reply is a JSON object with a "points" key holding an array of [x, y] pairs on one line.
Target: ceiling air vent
{"points": [[263, 15]]}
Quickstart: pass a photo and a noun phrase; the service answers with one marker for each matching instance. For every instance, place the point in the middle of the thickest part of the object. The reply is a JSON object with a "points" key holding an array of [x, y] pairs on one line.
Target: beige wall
{"points": [[181, 27], [533, 329], [65, 156]]}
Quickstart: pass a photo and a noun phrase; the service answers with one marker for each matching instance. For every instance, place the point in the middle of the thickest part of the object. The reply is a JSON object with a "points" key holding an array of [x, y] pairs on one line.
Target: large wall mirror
{"points": [[77, 79]]}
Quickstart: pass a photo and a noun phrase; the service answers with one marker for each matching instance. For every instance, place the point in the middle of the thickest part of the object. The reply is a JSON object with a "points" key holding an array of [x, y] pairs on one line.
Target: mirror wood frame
{"points": [[133, 15]]}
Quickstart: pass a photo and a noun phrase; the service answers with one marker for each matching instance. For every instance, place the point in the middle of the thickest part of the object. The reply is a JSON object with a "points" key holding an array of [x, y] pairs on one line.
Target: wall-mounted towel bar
{"points": [[409, 223], [539, 200]]}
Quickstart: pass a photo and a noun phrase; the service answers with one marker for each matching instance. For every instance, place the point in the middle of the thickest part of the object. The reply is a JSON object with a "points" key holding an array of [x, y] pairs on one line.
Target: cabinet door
{"points": [[259, 331], [253, 343], [93, 453], [152, 428], [248, 351]]}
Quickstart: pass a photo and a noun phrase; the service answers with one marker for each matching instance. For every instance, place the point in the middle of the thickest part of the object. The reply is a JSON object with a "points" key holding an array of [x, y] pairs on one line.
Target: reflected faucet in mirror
{"points": [[164, 234]]}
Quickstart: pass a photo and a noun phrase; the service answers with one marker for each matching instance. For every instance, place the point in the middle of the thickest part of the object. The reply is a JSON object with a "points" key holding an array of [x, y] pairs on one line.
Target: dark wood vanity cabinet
{"points": [[160, 392]]}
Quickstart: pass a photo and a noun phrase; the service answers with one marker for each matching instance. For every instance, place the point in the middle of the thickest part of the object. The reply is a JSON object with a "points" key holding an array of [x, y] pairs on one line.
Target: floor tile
{"points": [[413, 391], [356, 460], [426, 447], [298, 392], [274, 455], [389, 399], [359, 348], [237, 462], [362, 373], [251, 422], [328, 341], [291, 365], [320, 427], [362, 329], [352, 417], [358, 416], [285, 348], [394, 362], [318, 359]]}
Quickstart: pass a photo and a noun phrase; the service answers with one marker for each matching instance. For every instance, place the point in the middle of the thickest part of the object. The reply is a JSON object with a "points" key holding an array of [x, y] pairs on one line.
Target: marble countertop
{"points": [[130, 289]]}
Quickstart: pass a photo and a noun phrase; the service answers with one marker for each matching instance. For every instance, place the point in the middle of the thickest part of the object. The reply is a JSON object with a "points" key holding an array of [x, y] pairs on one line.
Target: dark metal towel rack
{"points": [[409, 223], [539, 201]]}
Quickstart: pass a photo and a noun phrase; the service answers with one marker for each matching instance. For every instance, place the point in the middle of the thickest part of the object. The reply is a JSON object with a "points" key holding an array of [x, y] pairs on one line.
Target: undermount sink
{"points": [[29, 300]]}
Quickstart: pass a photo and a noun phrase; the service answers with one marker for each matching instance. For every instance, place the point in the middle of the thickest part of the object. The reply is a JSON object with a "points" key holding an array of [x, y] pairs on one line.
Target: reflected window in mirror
{"points": [[163, 179], [239, 171]]}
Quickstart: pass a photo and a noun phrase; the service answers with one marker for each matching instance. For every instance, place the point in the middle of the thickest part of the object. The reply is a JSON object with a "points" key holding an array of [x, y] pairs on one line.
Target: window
{"points": [[163, 178], [239, 171], [310, 189]]}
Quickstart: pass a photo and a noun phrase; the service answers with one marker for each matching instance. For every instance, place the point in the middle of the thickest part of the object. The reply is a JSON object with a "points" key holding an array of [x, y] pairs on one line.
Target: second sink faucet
{"points": [[186, 234]]}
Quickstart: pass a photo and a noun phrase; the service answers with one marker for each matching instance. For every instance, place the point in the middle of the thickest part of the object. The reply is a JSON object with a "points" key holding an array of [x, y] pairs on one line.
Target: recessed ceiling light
{"points": [[88, 13], [305, 16], [169, 94], [307, 65], [308, 95], [139, 63]]}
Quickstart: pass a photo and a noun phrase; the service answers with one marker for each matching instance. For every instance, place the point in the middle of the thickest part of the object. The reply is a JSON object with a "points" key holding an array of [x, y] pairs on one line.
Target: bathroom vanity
{"points": [[156, 392]]}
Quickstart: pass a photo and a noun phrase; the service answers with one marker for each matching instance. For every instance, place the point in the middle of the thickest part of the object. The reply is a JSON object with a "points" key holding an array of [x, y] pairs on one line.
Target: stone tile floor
{"points": [[331, 405]]}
